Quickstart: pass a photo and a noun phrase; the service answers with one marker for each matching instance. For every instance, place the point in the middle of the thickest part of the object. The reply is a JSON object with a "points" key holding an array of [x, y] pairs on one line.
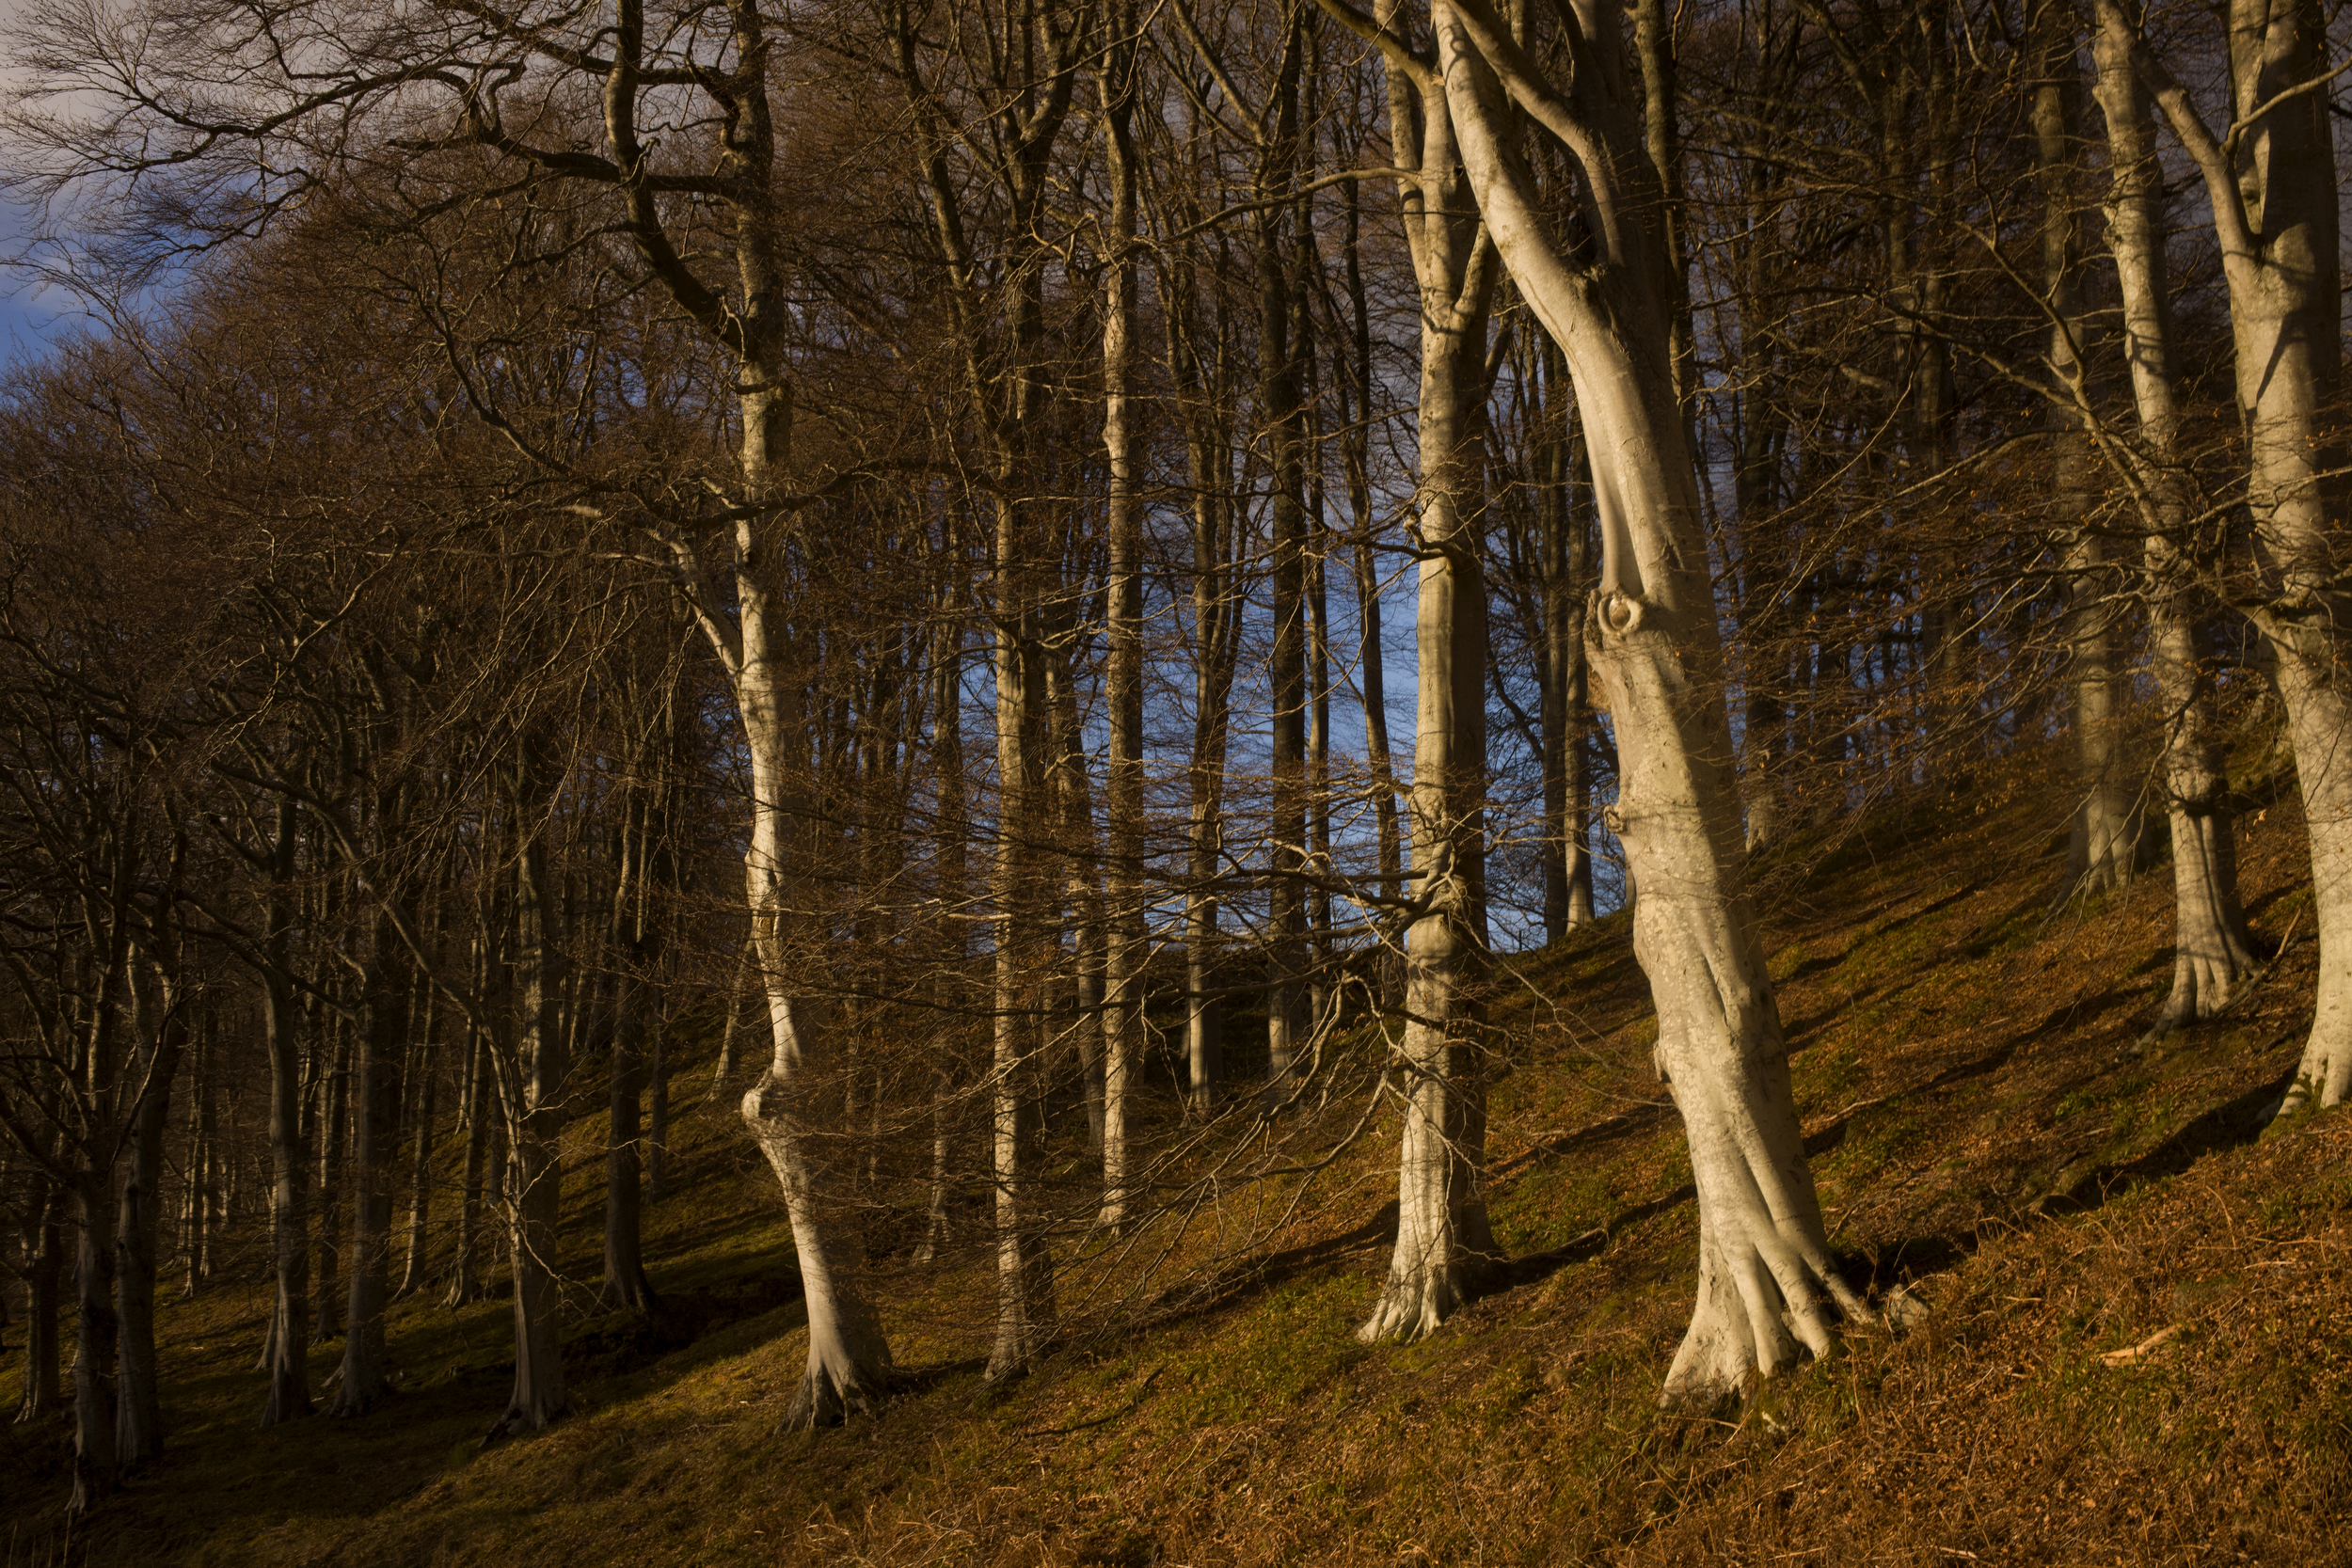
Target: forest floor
{"points": [[2139, 1347]]}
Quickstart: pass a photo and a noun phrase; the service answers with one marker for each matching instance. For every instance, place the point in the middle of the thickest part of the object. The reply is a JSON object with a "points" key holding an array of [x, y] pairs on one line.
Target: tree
{"points": [[1767, 1286]]}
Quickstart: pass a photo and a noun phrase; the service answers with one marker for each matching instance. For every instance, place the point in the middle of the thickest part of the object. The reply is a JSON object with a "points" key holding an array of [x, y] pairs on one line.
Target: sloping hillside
{"points": [[2139, 1347]]}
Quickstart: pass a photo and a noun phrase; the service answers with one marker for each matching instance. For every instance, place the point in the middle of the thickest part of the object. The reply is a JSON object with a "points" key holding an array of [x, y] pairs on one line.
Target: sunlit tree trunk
{"points": [[1442, 1232], [1122, 697], [2271, 183], [1767, 1288], [2102, 844], [2211, 947]]}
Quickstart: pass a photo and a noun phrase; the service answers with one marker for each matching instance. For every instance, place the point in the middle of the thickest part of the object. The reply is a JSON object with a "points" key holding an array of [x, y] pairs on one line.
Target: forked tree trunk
{"points": [[1767, 1287], [2272, 188], [1442, 1235], [2211, 947]]}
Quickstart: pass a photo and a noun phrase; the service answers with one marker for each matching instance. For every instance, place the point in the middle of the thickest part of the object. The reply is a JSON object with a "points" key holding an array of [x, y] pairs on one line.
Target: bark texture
{"points": [[1767, 1288]]}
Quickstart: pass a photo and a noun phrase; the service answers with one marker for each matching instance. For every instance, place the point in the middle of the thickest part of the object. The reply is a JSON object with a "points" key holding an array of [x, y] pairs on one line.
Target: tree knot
{"points": [[1622, 613]]}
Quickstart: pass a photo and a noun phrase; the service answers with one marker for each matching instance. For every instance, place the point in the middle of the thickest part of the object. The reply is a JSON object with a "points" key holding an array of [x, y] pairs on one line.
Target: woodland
{"points": [[1029, 667]]}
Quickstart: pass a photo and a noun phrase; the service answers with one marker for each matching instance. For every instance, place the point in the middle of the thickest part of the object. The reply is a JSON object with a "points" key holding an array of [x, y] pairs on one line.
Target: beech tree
{"points": [[1767, 1286]]}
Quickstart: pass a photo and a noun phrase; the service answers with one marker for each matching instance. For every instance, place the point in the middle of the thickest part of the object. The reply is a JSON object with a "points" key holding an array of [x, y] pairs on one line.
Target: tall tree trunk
{"points": [[849, 1360], [199, 1214], [1767, 1285], [331, 1129], [287, 1358], [953, 890], [44, 1263], [1371, 679], [423, 1086], [626, 1286], [2102, 836], [1215, 621], [730, 1034], [1122, 697], [1567, 855], [97, 1466], [2213, 949], [138, 1402], [1442, 1233], [534, 1121], [465, 1286], [1023, 1266], [1282, 328], [2272, 188], [375, 1137]]}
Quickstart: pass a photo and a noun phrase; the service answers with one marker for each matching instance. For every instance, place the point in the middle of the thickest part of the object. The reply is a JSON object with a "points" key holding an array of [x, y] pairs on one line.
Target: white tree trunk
{"points": [[2212, 948], [847, 1358], [2271, 183], [1125, 951], [1442, 1236], [1767, 1288]]}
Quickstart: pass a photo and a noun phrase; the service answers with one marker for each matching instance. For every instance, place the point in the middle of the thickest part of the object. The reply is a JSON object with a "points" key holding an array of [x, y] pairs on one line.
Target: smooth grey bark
{"points": [[1123, 696], [731, 1032], [1442, 1235], [1767, 1288], [849, 1360], [423, 1089], [1024, 1265], [1564, 716], [534, 1113], [2270, 180], [1203, 377], [1281, 342], [2213, 949], [465, 1285], [2103, 840], [634, 940]]}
